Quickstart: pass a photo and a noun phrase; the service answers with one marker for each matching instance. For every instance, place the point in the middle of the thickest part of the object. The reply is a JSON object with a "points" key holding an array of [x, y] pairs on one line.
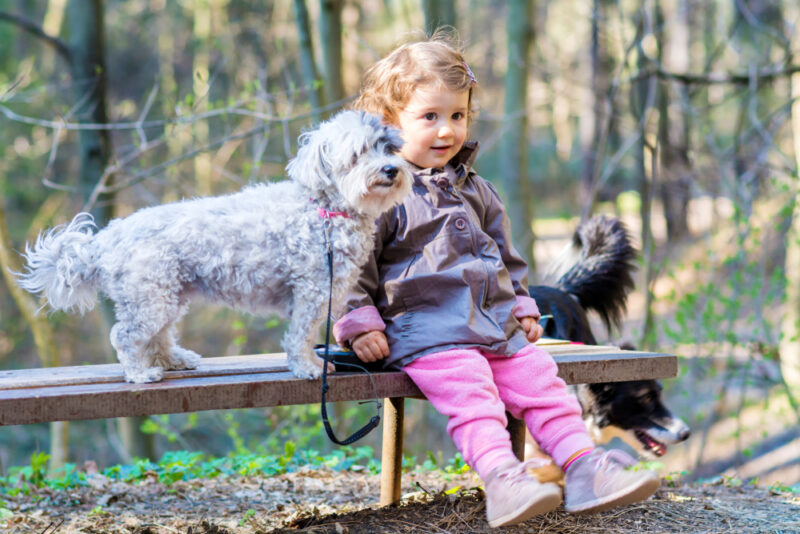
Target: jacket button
{"points": [[461, 224]]}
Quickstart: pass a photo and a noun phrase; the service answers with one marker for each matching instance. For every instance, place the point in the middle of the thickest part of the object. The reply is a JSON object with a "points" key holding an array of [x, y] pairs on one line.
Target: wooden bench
{"points": [[99, 391]]}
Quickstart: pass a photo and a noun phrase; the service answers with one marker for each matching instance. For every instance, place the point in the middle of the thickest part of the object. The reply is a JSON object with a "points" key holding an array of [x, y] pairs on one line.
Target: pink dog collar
{"points": [[325, 214]]}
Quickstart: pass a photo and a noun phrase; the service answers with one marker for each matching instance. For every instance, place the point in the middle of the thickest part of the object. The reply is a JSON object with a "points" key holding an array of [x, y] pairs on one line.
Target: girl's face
{"points": [[434, 126]]}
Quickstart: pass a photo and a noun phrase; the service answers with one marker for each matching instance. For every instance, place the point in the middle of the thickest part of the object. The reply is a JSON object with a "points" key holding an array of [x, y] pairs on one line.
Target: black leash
{"points": [[376, 419]]}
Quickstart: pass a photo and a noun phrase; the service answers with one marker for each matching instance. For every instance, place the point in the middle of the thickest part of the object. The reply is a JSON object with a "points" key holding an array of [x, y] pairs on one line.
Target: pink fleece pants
{"points": [[475, 388]]}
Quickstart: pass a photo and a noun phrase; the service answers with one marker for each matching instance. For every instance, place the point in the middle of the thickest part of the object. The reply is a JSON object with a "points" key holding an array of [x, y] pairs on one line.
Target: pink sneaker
{"points": [[512, 496], [599, 481]]}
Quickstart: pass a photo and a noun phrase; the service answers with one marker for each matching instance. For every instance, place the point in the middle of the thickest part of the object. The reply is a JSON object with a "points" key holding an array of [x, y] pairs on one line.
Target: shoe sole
{"points": [[546, 503], [640, 492]]}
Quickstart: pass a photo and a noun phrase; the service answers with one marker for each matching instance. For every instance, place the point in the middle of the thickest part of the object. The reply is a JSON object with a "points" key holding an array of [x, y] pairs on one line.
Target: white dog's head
{"points": [[352, 158]]}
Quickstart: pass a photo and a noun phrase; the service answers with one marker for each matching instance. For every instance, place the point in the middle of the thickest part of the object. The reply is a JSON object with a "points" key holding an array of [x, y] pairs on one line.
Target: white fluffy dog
{"points": [[262, 249]]}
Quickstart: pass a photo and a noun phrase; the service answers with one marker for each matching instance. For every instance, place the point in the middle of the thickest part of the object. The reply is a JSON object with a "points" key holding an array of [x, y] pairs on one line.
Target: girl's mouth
{"points": [[440, 149]]}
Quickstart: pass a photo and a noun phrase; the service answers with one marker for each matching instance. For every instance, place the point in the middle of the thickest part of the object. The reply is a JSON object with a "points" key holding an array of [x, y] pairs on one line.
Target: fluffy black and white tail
{"points": [[59, 266], [597, 268]]}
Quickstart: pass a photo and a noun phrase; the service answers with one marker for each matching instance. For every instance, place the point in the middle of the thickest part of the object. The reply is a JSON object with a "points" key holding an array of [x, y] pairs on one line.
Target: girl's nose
{"points": [[445, 130]]}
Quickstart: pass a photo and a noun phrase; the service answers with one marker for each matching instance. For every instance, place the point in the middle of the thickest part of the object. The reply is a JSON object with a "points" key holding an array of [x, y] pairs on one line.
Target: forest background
{"points": [[679, 116]]}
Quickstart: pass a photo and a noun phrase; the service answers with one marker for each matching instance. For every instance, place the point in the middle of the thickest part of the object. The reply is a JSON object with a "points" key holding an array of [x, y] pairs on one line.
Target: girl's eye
{"points": [[457, 116], [430, 116]]}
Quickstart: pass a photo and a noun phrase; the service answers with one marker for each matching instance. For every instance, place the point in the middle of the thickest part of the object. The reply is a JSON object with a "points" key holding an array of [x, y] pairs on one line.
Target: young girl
{"points": [[444, 297]]}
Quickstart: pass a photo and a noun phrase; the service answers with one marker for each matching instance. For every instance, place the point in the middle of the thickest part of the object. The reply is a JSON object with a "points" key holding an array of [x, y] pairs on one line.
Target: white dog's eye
{"points": [[391, 149]]}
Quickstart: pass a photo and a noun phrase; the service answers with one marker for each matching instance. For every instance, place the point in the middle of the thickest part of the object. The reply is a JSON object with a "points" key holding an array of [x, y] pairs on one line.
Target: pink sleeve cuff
{"points": [[358, 321], [526, 307]]}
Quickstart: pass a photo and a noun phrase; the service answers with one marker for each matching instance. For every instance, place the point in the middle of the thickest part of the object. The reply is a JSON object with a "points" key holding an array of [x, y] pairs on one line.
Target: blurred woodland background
{"points": [[680, 116]]}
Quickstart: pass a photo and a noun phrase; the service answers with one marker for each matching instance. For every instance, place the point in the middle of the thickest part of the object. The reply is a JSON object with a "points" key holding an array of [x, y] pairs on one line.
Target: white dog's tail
{"points": [[59, 266]]}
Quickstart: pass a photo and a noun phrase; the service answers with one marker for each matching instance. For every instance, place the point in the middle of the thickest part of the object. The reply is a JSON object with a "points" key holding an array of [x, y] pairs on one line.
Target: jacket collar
{"points": [[457, 168], [466, 155]]}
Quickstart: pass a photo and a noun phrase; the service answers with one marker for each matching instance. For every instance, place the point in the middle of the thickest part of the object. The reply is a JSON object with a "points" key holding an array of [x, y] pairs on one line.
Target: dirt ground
{"points": [[325, 501]]}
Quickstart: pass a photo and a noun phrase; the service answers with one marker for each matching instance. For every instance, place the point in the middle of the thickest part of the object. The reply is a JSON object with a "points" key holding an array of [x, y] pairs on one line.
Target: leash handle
{"points": [[376, 419], [358, 434]]}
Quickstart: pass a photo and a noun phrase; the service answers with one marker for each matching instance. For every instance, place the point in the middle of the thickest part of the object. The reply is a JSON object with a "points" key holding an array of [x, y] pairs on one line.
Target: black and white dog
{"points": [[595, 273]]}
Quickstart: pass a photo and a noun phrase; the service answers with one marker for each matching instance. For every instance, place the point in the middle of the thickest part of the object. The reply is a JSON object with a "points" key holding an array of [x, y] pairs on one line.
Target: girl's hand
{"points": [[533, 331], [371, 346]]}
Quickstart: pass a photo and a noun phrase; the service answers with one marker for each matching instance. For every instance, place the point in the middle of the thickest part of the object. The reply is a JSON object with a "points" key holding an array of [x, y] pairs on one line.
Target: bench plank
{"points": [[112, 372], [99, 391]]}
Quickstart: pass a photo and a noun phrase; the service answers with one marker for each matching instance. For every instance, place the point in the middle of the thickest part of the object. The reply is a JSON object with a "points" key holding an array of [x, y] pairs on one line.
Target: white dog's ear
{"points": [[311, 167]]}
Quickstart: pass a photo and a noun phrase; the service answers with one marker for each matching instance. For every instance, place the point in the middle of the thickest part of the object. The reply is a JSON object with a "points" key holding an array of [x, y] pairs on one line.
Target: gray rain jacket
{"points": [[444, 273]]}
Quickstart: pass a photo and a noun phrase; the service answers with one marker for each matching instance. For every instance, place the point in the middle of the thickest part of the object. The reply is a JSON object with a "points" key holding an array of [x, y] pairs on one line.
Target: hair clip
{"points": [[470, 74]]}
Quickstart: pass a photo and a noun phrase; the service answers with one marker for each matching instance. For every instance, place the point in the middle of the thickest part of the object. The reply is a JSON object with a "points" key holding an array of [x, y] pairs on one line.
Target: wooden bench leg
{"points": [[392, 451], [517, 430]]}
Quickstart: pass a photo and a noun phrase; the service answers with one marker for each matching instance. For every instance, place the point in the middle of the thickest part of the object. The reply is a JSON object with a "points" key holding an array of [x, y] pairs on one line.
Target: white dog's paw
{"points": [[144, 376], [184, 358], [305, 368]]}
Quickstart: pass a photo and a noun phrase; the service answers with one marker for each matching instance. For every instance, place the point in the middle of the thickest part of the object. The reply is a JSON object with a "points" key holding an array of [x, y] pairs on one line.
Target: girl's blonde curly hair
{"points": [[436, 61]]}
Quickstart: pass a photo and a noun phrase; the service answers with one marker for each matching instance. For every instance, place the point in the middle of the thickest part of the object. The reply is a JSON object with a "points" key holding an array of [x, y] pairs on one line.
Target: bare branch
{"points": [[764, 75], [34, 29], [10, 90], [235, 109], [147, 105], [101, 187]]}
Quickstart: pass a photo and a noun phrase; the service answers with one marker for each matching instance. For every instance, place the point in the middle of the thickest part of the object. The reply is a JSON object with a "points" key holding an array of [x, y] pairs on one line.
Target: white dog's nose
{"points": [[389, 170]]}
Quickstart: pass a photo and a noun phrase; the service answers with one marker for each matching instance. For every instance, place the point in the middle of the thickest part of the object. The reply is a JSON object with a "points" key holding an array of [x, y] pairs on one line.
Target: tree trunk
{"points": [[754, 40], [330, 30], [513, 149], [790, 324], [642, 103], [601, 133], [330, 23], [87, 68], [591, 128], [87, 48], [307, 63], [136, 443], [200, 79], [599, 118], [28, 10], [438, 13], [42, 336], [168, 87], [674, 173], [710, 16]]}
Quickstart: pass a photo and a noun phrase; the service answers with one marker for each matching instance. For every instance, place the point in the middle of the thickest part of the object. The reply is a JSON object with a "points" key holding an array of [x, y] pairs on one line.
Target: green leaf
{"points": [[247, 515]]}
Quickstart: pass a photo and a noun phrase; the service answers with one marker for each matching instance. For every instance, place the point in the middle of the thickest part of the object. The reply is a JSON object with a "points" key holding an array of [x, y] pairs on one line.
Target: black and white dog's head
{"points": [[634, 412], [595, 273]]}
